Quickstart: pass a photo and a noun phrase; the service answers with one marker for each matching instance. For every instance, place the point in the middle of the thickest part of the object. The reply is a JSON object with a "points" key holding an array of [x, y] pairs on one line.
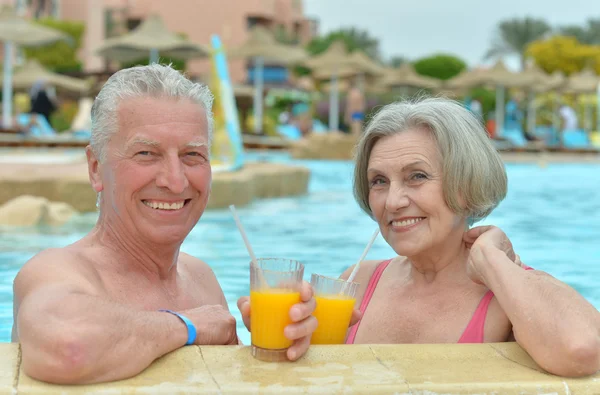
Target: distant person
{"points": [[513, 117], [356, 104], [476, 108], [568, 117], [43, 100]]}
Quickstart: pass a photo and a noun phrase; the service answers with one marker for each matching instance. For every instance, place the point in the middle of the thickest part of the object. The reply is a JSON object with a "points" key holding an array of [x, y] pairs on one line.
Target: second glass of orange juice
{"points": [[335, 301], [274, 288]]}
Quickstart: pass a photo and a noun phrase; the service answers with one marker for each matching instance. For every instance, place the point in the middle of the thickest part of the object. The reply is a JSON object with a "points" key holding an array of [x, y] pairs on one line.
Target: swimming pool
{"points": [[551, 214]]}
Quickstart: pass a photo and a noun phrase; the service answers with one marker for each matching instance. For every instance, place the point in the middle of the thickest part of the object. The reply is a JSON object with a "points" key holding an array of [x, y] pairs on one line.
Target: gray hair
{"points": [[153, 80], [473, 171]]}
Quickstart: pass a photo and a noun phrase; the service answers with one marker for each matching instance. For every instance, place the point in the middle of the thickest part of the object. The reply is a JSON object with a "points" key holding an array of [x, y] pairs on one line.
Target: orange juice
{"points": [[270, 314], [333, 313]]}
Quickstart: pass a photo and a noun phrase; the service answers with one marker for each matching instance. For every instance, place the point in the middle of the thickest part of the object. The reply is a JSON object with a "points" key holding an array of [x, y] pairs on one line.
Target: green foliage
{"points": [[62, 118], [61, 56], [564, 54], [284, 37], [397, 61], [440, 66], [588, 34], [352, 37], [487, 98], [513, 36]]}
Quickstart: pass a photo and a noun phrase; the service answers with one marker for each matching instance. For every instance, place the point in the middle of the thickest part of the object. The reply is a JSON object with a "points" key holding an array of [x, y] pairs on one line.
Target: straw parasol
{"points": [[17, 31], [498, 76], [585, 82], [406, 77], [261, 46], [336, 63], [152, 38], [30, 73]]}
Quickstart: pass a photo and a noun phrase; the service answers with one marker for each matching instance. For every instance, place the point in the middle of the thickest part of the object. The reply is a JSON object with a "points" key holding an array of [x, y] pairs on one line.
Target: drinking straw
{"points": [[243, 233], [364, 254]]}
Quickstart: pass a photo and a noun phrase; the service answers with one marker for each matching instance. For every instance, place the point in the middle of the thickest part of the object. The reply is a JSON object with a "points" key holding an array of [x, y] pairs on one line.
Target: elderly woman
{"points": [[426, 171]]}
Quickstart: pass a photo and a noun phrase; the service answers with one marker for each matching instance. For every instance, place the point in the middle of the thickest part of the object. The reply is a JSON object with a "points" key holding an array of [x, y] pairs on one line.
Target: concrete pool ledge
{"points": [[69, 183], [496, 368]]}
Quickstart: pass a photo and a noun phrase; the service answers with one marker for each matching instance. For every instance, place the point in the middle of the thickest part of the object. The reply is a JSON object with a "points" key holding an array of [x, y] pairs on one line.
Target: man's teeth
{"points": [[165, 206], [406, 222]]}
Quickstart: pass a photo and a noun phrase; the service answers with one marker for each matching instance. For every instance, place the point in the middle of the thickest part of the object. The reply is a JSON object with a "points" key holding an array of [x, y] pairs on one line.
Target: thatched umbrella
{"points": [[406, 77], [31, 72], [337, 63], [585, 82], [498, 76], [17, 31], [534, 80], [261, 46], [152, 38]]}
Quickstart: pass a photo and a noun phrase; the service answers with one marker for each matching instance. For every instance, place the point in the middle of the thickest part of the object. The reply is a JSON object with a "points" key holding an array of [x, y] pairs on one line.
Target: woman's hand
{"points": [[485, 242]]}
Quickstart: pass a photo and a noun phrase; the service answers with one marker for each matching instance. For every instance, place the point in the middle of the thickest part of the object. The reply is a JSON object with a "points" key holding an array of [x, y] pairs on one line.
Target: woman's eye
{"points": [[376, 181], [419, 176]]}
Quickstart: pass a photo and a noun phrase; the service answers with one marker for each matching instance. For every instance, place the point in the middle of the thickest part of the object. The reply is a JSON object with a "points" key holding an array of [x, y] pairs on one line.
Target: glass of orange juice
{"points": [[274, 288], [335, 301]]}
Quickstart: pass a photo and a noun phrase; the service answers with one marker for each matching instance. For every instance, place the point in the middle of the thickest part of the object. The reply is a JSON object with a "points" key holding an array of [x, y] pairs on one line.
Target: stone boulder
{"points": [[27, 210]]}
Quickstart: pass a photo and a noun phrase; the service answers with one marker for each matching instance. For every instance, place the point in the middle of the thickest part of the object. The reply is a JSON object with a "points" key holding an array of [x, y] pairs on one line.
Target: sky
{"points": [[416, 28]]}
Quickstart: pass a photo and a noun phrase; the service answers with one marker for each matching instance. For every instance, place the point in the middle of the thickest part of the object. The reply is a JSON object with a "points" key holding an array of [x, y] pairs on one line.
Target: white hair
{"points": [[153, 80], [474, 177]]}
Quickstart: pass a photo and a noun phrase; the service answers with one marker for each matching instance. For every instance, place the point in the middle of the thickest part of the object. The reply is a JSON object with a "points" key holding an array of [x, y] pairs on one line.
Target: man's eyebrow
{"points": [[141, 141], [196, 144]]}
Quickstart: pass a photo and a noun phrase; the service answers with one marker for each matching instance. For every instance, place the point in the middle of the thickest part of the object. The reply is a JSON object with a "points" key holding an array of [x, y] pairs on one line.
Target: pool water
{"points": [[551, 214]]}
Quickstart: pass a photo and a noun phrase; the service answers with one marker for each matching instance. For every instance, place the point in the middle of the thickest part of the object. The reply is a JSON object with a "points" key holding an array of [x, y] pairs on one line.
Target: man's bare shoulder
{"points": [[201, 274], [52, 265], [196, 268], [193, 263]]}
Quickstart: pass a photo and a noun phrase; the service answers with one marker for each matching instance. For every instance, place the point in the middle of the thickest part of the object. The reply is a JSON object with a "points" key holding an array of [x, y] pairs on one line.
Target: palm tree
{"points": [[397, 61], [589, 34], [354, 39], [513, 36]]}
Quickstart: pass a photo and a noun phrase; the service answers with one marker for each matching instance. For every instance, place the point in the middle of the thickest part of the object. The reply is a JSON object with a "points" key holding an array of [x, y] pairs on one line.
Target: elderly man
{"points": [[105, 307]]}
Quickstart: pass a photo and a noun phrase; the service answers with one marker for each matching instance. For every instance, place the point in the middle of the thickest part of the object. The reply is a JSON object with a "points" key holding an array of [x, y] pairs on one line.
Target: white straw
{"points": [[241, 229], [364, 254]]}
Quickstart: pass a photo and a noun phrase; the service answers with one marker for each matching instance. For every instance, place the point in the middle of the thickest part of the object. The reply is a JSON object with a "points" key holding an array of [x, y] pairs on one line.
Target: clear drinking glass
{"points": [[274, 288], [335, 303]]}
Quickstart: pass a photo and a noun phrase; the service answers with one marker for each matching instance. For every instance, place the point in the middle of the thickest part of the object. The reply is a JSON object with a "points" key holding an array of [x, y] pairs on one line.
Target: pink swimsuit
{"points": [[472, 334]]}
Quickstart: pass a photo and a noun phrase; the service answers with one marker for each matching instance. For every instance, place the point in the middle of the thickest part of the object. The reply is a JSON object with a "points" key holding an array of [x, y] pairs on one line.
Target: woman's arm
{"points": [[551, 321]]}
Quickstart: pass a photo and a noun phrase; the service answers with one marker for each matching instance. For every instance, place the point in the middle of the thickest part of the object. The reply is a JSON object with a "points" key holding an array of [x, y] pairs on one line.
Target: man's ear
{"points": [[94, 170]]}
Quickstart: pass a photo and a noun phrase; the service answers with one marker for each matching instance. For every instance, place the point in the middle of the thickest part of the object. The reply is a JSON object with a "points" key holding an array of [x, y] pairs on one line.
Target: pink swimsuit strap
{"points": [[474, 331], [476, 328], [367, 297]]}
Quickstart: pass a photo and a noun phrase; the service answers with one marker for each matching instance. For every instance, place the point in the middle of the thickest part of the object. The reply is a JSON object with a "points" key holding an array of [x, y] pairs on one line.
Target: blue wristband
{"points": [[191, 329]]}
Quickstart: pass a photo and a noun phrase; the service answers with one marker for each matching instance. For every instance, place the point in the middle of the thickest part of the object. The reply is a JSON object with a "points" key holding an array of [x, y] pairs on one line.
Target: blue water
{"points": [[551, 214]]}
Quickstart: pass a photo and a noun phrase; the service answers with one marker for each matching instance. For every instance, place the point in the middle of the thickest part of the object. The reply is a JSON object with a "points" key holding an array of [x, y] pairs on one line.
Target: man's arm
{"points": [[70, 335]]}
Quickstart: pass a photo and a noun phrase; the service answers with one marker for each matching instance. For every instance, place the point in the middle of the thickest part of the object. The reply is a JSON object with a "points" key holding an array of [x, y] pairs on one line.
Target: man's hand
{"points": [[214, 325], [304, 324]]}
